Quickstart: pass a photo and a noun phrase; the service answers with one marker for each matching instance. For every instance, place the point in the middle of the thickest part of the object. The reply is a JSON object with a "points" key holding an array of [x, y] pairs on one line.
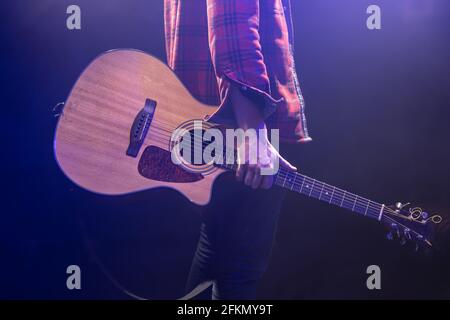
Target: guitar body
{"points": [[93, 132]]}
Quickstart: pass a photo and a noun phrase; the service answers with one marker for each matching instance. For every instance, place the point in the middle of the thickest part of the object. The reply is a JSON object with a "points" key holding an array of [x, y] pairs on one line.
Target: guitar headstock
{"points": [[410, 224]]}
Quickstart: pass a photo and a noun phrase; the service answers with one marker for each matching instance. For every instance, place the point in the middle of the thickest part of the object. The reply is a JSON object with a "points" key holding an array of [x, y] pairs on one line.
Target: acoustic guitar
{"points": [[113, 137]]}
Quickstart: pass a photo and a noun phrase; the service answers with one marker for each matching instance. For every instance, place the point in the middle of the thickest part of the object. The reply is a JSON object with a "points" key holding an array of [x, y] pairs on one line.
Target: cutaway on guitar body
{"points": [[113, 136]]}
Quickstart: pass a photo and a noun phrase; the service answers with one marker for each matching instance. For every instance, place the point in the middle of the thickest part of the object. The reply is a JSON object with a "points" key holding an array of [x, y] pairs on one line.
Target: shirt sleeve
{"points": [[236, 53]]}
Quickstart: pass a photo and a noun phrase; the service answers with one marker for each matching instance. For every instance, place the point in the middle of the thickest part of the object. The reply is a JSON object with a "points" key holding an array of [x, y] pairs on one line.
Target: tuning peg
{"points": [[399, 206]]}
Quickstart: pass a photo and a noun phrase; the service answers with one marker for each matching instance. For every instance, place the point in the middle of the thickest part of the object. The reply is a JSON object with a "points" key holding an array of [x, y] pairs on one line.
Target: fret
{"points": [[373, 210], [342, 202], [293, 182], [368, 203], [327, 193], [301, 187], [317, 189], [354, 203], [321, 190], [349, 202], [336, 197], [288, 181], [310, 191], [331, 198], [361, 206], [380, 215], [307, 188]]}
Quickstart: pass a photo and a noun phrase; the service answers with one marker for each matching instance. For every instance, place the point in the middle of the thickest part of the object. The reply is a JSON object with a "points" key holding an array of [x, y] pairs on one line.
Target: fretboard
{"points": [[313, 188], [327, 193]]}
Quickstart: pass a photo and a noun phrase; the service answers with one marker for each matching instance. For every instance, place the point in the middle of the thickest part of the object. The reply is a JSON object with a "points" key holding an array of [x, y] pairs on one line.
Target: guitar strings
{"points": [[386, 217], [331, 191], [389, 210], [355, 199]]}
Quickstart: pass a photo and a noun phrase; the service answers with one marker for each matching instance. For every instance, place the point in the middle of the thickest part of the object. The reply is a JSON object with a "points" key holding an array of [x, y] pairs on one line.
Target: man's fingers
{"points": [[257, 178], [240, 172], [286, 164], [267, 182], [249, 174]]}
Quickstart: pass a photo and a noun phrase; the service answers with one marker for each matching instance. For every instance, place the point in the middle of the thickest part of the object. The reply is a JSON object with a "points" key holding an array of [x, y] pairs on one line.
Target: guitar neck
{"points": [[313, 188]]}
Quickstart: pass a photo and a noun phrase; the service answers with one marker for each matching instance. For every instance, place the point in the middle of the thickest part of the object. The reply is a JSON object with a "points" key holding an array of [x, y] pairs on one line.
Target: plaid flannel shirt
{"points": [[212, 43]]}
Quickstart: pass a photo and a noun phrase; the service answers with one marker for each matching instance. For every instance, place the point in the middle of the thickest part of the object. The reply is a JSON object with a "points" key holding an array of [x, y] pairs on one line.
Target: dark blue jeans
{"points": [[236, 237]]}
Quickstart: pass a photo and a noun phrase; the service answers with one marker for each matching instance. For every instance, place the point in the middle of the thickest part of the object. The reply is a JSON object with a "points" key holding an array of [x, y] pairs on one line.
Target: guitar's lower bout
{"points": [[113, 135], [156, 164]]}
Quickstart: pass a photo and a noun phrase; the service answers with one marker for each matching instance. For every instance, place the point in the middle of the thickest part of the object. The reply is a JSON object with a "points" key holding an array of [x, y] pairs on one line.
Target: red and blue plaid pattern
{"points": [[211, 43]]}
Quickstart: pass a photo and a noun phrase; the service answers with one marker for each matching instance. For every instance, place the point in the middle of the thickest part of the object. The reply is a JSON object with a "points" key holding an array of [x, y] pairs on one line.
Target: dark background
{"points": [[378, 111]]}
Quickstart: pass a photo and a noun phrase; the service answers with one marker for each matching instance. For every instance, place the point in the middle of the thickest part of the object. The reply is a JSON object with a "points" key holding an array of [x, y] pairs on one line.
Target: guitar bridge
{"points": [[140, 127]]}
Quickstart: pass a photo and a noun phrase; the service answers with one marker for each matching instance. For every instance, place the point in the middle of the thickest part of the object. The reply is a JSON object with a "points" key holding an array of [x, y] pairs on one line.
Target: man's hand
{"points": [[251, 173], [248, 116]]}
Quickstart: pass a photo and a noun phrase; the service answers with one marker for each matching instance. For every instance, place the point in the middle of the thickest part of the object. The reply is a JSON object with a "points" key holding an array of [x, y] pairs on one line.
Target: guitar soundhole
{"points": [[156, 164]]}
